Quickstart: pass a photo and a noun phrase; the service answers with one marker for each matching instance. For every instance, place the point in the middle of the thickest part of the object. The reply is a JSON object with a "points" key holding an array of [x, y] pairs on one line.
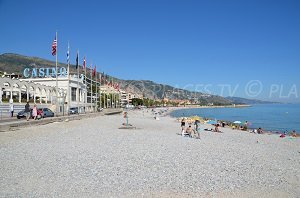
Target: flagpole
{"points": [[77, 81], [85, 86], [107, 87], [100, 91], [113, 93], [104, 93], [96, 87], [91, 88], [57, 108], [68, 92], [115, 98]]}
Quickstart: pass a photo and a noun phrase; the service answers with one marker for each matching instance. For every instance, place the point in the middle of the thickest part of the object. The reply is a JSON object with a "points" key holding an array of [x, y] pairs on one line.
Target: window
{"points": [[73, 94]]}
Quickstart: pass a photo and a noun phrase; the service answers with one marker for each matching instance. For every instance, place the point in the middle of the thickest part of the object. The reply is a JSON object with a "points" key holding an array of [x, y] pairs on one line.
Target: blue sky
{"points": [[241, 48]]}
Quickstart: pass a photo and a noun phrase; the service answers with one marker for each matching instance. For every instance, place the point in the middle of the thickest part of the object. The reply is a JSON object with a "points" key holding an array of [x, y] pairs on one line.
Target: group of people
{"points": [[189, 131], [28, 110], [258, 131]]}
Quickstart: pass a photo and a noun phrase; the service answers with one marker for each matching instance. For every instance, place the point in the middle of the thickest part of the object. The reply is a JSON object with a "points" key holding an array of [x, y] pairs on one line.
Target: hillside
{"points": [[238, 100], [15, 63]]}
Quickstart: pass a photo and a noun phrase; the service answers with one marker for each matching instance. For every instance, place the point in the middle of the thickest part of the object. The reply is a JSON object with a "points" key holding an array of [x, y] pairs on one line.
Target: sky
{"points": [[244, 48]]}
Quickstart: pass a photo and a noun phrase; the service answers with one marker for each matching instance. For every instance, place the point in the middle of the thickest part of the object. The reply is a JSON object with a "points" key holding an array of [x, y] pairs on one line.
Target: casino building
{"points": [[38, 85]]}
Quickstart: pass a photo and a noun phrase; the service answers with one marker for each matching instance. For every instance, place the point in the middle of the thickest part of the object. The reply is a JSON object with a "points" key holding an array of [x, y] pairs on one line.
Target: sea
{"points": [[270, 117]]}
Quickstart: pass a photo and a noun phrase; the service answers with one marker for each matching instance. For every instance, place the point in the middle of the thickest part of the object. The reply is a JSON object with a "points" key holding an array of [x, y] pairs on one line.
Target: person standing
{"points": [[197, 124], [197, 129], [11, 109], [34, 112], [27, 110], [182, 126]]}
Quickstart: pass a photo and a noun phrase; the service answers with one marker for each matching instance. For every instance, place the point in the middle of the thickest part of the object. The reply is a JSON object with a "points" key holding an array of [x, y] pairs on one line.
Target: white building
{"points": [[126, 98], [73, 91]]}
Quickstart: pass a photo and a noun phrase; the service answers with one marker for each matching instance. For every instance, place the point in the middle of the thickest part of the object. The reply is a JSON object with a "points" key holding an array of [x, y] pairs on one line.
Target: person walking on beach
{"points": [[34, 112], [27, 110]]}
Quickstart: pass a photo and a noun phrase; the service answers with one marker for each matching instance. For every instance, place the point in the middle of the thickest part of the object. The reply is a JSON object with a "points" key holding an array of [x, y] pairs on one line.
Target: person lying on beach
{"points": [[254, 131], [282, 135]]}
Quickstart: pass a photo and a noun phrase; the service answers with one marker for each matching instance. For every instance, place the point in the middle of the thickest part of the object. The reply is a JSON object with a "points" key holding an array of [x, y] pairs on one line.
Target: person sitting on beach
{"points": [[223, 124], [190, 131], [294, 134], [185, 132], [260, 131], [217, 128]]}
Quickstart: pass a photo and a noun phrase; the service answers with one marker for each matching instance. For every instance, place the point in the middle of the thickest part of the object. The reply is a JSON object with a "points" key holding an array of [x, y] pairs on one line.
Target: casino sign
{"points": [[44, 72]]}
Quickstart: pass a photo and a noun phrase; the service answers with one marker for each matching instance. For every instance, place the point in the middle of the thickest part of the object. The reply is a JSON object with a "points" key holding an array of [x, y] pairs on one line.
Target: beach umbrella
{"points": [[237, 122], [196, 118], [212, 122]]}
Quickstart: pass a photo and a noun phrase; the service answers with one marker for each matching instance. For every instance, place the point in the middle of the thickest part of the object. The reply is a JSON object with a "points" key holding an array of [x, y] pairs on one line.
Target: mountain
{"points": [[15, 63], [153, 90], [237, 100]]}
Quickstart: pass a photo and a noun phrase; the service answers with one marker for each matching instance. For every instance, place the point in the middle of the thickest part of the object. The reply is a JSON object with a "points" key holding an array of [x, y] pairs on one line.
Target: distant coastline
{"points": [[206, 107]]}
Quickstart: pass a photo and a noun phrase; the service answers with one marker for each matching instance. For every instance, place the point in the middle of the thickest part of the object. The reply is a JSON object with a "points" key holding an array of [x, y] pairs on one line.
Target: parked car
{"points": [[73, 110], [22, 114], [47, 113]]}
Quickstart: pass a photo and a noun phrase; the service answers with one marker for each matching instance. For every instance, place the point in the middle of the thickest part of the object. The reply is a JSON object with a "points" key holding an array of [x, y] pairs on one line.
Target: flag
{"points": [[102, 78], [106, 79], [84, 63], [91, 69], [94, 71], [54, 46], [68, 54], [77, 61]]}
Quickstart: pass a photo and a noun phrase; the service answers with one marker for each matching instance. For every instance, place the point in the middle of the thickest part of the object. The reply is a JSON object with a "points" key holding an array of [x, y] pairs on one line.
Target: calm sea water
{"points": [[272, 117]]}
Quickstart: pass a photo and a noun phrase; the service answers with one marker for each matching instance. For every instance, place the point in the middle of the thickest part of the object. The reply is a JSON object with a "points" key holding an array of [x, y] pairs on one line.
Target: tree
{"points": [[137, 101]]}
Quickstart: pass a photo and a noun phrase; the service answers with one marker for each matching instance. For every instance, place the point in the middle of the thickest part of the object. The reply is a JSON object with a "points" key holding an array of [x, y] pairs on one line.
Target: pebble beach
{"points": [[92, 157]]}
